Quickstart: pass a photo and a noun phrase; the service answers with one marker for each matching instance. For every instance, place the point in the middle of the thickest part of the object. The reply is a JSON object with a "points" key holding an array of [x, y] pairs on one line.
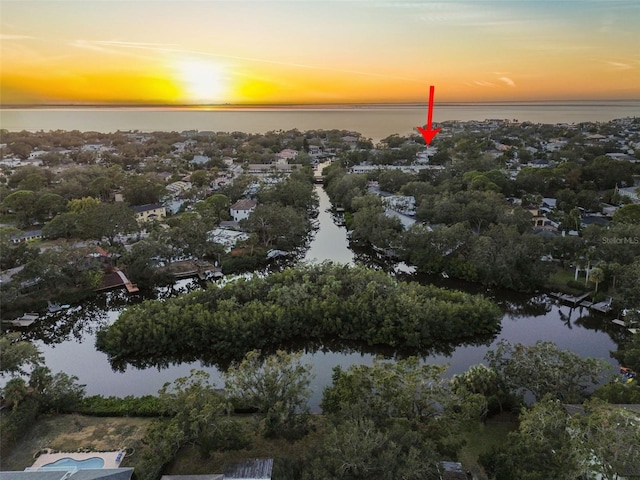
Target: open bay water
{"points": [[372, 121]]}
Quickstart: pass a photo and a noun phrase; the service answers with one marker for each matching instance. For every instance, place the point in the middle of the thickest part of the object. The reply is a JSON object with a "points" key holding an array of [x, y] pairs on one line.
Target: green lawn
{"points": [[559, 278]]}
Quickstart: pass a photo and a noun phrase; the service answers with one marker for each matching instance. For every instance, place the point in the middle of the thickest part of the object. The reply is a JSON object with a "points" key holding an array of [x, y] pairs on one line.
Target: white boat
{"points": [[54, 307]]}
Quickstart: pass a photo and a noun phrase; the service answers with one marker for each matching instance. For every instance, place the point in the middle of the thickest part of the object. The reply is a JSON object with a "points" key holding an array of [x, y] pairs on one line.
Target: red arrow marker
{"points": [[428, 133]]}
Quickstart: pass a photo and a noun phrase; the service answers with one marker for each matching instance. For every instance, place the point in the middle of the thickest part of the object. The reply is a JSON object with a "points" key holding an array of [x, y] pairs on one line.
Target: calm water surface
{"points": [[527, 320], [372, 122]]}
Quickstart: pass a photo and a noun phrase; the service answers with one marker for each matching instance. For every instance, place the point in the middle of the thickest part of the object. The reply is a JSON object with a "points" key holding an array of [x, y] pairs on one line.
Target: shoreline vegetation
{"points": [[319, 304]]}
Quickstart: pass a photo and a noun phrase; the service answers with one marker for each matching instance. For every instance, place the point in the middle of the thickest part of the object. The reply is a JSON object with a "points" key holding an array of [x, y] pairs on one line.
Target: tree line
{"points": [[318, 304]]}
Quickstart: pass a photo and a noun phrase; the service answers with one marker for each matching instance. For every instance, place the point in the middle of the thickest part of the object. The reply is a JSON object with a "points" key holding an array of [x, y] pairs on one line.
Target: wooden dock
{"points": [[195, 268], [563, 297], [25, 320], [603, 307], [131, 287], [117, 279], [624, 324]]}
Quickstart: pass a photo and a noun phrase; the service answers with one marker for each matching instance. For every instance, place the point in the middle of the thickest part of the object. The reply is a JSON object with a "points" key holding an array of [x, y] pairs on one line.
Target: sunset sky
{"points": [[308, 51]]}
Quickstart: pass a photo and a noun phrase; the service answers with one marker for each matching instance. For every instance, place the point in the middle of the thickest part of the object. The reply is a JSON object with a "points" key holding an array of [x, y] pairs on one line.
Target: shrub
{"points": [[130, 406], [17, 423]]}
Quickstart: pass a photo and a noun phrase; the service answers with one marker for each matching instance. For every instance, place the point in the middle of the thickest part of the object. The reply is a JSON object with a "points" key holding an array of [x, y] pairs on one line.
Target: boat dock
{"points": [[563, 297], [581, 301], [117, 279], [25, 320], [630, 324], [131, 287], [603, 307], [195, 268], [624, 324]]}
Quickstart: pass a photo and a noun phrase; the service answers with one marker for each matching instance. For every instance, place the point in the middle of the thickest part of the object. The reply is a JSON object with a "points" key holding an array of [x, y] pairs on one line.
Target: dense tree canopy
{"points": [[16, 353], [319, 303], [543, 369], [276, 386]]}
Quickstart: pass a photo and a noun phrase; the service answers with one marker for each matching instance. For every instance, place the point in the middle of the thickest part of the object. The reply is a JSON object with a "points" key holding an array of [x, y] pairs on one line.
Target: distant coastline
{"points": [[371, 120]]}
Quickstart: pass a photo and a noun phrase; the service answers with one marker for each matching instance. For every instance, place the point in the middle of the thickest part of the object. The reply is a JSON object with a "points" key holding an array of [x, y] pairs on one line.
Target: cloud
{"points": [[482, 83], [115, 47], [620, 65], [508, 81], [9, 36]]}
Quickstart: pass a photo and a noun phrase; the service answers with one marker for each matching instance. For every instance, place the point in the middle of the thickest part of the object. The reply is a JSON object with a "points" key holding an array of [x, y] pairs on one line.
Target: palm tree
{"points": [[15, 391], [596, 276]]}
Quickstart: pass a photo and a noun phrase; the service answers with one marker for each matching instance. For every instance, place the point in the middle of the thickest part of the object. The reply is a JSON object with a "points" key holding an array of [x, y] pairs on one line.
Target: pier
{"points": [[194, 268], [602, 307], [581, 301], [131, 287], [563, 297], [117, 279]]}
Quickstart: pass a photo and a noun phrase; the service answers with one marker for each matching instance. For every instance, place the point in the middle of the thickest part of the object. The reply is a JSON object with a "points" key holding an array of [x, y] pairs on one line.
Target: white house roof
{"points": [[244, 204]]}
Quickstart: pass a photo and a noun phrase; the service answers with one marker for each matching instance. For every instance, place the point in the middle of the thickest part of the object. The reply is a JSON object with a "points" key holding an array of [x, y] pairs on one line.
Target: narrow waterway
{"points": [[527, 320]]}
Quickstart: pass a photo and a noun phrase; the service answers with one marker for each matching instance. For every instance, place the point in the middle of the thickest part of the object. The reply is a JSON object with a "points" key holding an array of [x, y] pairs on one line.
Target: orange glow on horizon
{"points": [[314, 52]]}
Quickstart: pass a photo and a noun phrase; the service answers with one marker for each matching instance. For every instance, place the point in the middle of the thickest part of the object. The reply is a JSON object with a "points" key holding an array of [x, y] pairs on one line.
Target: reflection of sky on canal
{"points": [[529, 330], [81, 359], [329, 242], [92, 368]]}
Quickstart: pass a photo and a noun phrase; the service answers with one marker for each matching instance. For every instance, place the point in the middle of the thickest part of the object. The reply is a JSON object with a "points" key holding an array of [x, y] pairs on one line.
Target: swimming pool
{"points": [[87, 464]]}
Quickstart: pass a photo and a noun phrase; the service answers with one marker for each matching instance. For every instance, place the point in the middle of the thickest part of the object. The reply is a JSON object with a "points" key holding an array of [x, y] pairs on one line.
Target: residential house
{"points": [[251, 469], [451, 471], [538, 218], [150, 211], [287, 154], [609, 210], [405, 204], [622, 157], [314, 150], [281, 166], [226, 237], [358, 169], [549, 203], [630, 192], [27, 236], [242, 209], [200, 159], [178, 187], [602, 221]]}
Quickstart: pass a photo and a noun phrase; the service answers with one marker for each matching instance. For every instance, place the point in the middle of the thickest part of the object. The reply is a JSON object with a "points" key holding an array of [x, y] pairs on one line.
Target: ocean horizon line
{"points": [[303, 106]]}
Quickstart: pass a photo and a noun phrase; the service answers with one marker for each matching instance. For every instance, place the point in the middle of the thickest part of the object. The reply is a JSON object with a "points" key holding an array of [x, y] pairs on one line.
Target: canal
{"points": [[527, 319]]}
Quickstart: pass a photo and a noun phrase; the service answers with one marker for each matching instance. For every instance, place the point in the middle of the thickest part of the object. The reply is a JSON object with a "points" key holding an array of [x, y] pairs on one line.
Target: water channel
{"points": [[526, 320]]}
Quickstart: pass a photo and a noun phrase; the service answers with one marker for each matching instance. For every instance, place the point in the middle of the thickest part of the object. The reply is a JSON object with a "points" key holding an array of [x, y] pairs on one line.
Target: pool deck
{"points": [[111, 459]]}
